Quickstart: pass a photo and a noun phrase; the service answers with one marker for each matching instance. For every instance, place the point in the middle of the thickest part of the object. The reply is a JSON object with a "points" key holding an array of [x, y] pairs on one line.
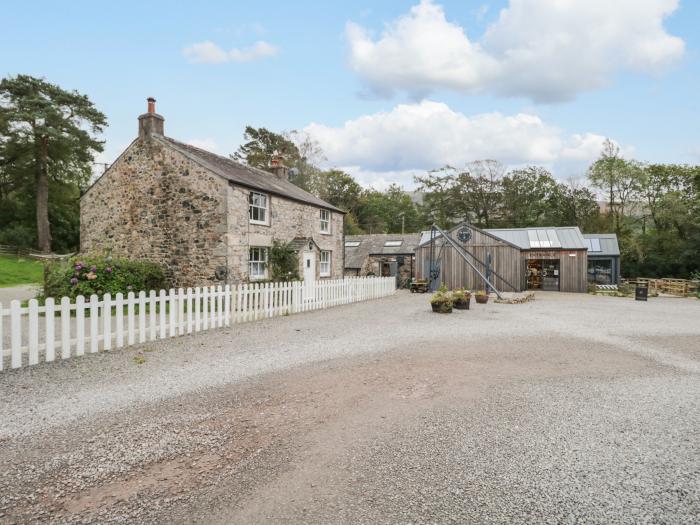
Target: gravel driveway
{"points": [[571, 408]]}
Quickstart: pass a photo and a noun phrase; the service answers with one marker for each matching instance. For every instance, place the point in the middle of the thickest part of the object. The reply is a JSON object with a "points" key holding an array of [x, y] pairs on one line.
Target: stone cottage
{"points": [[382, 254], [206, 218]]}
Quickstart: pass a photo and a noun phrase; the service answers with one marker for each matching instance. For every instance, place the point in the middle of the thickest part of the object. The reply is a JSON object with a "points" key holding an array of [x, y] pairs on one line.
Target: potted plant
{"points": [[482, 297], [461, 299], [441, 301]]}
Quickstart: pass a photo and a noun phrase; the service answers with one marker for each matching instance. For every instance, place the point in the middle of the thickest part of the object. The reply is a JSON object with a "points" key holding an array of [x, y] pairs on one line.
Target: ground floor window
{"points": [[600, 271], [257, 261], [325, 269]]}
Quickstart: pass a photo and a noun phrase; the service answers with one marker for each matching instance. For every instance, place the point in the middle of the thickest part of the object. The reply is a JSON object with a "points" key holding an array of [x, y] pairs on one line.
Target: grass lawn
{"points": [[15, 271]]}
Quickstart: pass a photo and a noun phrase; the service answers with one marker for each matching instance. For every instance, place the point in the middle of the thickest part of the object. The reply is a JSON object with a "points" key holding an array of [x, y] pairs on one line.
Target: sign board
{"points": [[464, 234]]}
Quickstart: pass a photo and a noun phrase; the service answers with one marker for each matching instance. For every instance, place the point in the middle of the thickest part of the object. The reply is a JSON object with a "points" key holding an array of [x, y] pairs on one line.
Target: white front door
{"points": [[309, 275]]}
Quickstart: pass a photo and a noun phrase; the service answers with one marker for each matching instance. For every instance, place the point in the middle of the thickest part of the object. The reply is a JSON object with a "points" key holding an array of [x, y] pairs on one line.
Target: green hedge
{"points": [[99, 275]]}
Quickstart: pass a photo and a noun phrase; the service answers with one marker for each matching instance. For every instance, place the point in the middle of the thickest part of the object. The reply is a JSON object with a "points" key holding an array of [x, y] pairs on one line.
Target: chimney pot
{"points": [[151, 105]]}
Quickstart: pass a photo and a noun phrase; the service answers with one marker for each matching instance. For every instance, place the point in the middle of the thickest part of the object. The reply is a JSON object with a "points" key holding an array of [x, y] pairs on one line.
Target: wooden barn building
{"points": [[516, 259]]}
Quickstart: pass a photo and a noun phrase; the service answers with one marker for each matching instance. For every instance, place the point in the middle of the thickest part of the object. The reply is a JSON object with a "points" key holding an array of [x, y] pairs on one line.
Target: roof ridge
{"points": [[286, 188]]}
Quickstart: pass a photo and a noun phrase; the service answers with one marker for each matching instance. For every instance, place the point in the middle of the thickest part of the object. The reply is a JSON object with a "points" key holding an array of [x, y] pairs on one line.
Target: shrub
{"points": [[87, 275], [284, 262]]}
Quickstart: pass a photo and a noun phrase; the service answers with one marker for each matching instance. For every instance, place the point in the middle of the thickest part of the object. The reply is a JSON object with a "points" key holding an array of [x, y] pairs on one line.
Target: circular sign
{"points": [[464, 234]]}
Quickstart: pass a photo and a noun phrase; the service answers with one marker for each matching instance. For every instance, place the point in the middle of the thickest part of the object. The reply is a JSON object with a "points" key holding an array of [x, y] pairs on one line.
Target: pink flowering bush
{"points": [[87, 275]]}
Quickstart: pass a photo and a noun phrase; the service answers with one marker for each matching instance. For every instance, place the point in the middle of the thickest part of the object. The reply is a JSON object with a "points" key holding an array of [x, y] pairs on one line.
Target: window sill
{"points": [[325, 233], [258, 223]]}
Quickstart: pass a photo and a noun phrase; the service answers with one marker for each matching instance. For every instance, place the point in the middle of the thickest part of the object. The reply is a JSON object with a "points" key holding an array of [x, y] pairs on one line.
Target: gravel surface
{"points": [[19, 293], [571, 408]]}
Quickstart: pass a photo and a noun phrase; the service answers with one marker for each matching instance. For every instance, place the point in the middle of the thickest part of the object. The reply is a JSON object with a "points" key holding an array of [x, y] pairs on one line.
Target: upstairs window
{"points": [[258, 208], [325, 221], [325, 268], [257, 262]]}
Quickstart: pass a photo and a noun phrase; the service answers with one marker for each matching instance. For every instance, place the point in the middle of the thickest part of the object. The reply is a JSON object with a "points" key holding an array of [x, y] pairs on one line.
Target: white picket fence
{"points": [[65, 329]]}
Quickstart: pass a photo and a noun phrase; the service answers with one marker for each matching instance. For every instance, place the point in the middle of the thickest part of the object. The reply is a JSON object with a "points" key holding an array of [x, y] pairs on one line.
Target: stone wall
{"points": [[288, 219], [373, 265], [155, 204]]}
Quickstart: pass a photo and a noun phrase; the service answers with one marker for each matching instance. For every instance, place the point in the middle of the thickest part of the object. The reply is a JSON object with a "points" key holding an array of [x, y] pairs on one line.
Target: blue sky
{"points": [[389, 89]]}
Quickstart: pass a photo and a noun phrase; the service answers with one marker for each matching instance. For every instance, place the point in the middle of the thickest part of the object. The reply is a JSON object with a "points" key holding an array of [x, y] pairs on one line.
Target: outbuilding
{"points": [[384, 254], [603, 258], [515, 259]]}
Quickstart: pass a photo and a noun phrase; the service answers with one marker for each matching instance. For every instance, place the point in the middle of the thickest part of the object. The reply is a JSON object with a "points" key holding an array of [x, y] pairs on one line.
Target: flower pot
{"points": [[482, 299], [441, 308], [462, 305]]}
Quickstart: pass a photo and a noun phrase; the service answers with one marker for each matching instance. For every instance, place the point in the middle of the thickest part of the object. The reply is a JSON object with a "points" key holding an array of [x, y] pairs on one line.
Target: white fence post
{"points": [[131, 321], [172, 311], [33, 332], [65, 327], [189, 310], [142, 316], [107, 322], [16, 333], [94, 326], [80, 325], [152, 314], [227, 305], [119, 310], [49, 331]]}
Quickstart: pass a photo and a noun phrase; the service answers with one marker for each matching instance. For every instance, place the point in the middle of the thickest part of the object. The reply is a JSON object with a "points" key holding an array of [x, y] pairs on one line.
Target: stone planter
{"points": [[441, 308]]}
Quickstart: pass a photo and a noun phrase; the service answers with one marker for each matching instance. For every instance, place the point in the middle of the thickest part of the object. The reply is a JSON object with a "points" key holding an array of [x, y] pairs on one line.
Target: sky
{"points": [[388, 89]]}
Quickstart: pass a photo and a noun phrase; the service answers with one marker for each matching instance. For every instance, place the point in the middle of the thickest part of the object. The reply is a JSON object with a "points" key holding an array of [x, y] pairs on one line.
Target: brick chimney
{"points": [[278, 168], [150, 122]]}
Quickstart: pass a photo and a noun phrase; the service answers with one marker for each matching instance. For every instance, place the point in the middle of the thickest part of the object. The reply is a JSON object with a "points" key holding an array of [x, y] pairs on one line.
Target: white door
{"points": [[309, 275]]}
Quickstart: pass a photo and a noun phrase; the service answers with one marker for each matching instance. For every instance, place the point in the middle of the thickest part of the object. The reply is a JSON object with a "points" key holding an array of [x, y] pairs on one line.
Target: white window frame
{"points": [[325, 219], [325, 264], [265, 208], [257, 262]]}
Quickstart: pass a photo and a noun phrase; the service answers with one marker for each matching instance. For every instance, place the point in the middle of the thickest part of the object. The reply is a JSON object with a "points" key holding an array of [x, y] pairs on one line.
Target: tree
{"points": [[262, 145], [47, 136], [473, 194], [574, 205], [299, 152], [529, 194]]}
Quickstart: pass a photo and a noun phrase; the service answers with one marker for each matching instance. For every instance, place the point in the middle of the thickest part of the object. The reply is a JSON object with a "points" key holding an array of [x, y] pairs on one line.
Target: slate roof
{"points": [[608, 244], [244, 175], [374, 245]]}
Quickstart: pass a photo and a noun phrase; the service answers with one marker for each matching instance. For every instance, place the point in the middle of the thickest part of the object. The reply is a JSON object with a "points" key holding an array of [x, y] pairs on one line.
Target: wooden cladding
{"points": [[507, 260]]}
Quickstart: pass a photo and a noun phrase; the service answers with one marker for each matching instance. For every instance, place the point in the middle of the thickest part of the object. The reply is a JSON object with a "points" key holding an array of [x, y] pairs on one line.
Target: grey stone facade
{"points": [[169, 205]]}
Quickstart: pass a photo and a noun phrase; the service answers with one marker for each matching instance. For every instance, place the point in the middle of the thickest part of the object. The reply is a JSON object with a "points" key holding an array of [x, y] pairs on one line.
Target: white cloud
{"points": [[412, 138], [207, 143], [261, 49], [209, 53], [547, 50]]}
